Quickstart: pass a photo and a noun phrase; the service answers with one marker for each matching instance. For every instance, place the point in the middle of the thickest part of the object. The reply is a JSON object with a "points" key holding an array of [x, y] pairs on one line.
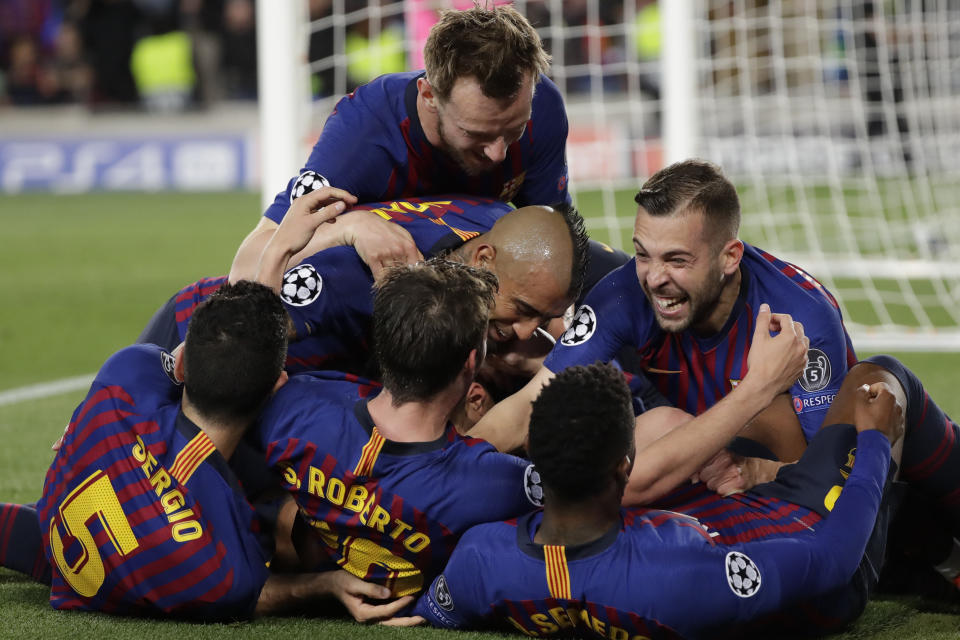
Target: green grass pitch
{"points": [[79, 277]]}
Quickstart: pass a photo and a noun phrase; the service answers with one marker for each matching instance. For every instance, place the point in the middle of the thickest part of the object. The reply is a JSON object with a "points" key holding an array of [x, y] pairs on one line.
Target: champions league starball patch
{"points": [[532, 486], [743, 575], [582, 327], [301, 285], [816, 375], [441, 593], [307, 182], [168, 362]]}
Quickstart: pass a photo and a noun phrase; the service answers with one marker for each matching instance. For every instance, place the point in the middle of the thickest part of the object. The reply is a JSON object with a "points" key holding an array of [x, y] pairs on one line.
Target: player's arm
{"points": [[505, 425], [295, 591], [455, 599], [773, 364], [776, 428], [546, 179], [299, 226]]}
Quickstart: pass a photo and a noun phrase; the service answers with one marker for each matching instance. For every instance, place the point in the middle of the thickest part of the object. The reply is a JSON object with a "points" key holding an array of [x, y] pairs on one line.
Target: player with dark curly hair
{"points": [[584, 566]]}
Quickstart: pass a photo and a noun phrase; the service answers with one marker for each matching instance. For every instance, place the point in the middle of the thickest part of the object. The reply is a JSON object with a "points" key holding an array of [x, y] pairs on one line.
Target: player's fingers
{"points": [[411, 621], [762, 327], [358, 587], [374, 612]]}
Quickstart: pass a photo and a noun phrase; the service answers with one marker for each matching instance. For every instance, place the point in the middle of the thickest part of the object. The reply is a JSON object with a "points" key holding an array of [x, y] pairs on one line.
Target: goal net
{"points": [[839, 122]]}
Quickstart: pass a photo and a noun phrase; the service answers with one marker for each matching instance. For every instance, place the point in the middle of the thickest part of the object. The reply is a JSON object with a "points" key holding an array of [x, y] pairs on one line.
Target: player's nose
{"points": [[525, 328], [496, 150], [656, 275]]}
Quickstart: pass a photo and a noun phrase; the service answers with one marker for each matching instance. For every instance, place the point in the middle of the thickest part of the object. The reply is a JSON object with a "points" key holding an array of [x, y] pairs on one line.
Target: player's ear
{"points": [[477, 403], [484, 257], [731, 254], [179, 363], [281, 380], [426, 92]]}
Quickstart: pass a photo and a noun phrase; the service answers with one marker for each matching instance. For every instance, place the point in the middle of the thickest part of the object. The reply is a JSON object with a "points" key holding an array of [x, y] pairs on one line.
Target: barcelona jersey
{"points": [[388, 512], [694, 372], [656, 573], [140, 512], [374, 146], [329, 296]]}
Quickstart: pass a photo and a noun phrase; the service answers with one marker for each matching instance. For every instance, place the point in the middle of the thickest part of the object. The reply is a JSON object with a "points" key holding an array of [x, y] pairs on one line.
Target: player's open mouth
{"points": [[669, 306]]}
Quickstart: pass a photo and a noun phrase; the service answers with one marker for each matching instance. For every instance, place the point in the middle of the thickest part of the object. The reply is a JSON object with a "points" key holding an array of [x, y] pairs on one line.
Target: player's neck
{"points": [[411, 421], [579, 523], [224, 437], [722, 309]]}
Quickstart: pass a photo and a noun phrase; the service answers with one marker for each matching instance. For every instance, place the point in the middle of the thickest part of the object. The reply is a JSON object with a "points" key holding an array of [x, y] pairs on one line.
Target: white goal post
{"points": [[838, 120]]}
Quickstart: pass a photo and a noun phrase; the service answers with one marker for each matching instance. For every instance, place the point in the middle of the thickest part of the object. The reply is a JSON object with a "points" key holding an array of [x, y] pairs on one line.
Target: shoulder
{"points": [[547, 98], [789, 288], [383, 95]]}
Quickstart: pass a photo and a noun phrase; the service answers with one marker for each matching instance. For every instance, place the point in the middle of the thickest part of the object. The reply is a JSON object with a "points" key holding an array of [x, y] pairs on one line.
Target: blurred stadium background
{"points": [[138, 142]]}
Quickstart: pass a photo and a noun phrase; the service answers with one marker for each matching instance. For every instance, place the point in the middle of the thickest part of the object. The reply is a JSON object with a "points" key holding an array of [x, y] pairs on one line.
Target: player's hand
{"points": [[728, 473], [775, 362], [411, 621], [354, 592], [307, 213], [877, 408], [379, 243]]}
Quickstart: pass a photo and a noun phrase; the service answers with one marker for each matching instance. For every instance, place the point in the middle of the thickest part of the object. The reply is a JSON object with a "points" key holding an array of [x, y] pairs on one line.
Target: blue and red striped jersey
{"points": [[140, 512], [657, 574], [373, 146], [329, 296], [695, 372], [388, 512]]}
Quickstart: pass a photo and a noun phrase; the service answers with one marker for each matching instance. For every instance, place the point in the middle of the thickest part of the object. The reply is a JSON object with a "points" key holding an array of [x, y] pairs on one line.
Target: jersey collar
{"points": [[410, 102], [188, 429], [528, 524], [362, 413]]}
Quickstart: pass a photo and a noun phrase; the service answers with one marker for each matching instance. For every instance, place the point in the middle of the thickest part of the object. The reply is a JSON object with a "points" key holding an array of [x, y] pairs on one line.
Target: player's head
{"points": [[581, 431], [540, 256], [234, 351], [427, 319], [685, 236], [482, 65], [490, 386]]}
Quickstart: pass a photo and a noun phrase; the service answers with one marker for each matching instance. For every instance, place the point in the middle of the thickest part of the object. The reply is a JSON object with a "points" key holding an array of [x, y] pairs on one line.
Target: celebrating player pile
{"points": [[306, 439]]}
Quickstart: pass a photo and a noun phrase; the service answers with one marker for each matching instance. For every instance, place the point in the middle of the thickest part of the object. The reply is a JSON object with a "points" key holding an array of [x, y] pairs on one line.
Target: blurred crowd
{"points": [[162, 54], [179, 54]]}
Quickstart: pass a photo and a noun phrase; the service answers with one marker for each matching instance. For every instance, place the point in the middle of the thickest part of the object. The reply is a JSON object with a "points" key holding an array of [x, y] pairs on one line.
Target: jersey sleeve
{"points": [[142, 366], [828, 361], [328, 292], [749, 580], [511, 486], [349, 153], [546, 180], [455, 599], [602, 325]]}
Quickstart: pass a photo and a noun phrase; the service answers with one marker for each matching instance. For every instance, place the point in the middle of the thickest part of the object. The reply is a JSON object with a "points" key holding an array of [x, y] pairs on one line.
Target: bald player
{"points": [[539, 255]]}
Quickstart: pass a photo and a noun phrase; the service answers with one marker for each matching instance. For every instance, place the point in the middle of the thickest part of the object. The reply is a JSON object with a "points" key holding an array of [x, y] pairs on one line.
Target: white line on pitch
{"points": [[45, 389]]}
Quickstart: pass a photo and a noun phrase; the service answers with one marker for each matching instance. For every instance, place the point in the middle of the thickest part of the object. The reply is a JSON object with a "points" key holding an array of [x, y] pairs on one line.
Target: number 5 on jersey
{"points": [[95, 496]]}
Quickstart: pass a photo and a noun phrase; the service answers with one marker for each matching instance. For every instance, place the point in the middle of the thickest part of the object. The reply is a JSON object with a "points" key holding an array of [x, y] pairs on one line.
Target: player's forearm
{"points": [[247, 259], [670, 460], [289, 591], [505, 426]]}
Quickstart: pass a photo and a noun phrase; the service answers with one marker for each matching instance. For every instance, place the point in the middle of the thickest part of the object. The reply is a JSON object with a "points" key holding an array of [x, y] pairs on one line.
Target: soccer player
{"points": [[140, 512], [482, 119], [381, 476], [687, 303], [538, 254], [585, 566]]}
